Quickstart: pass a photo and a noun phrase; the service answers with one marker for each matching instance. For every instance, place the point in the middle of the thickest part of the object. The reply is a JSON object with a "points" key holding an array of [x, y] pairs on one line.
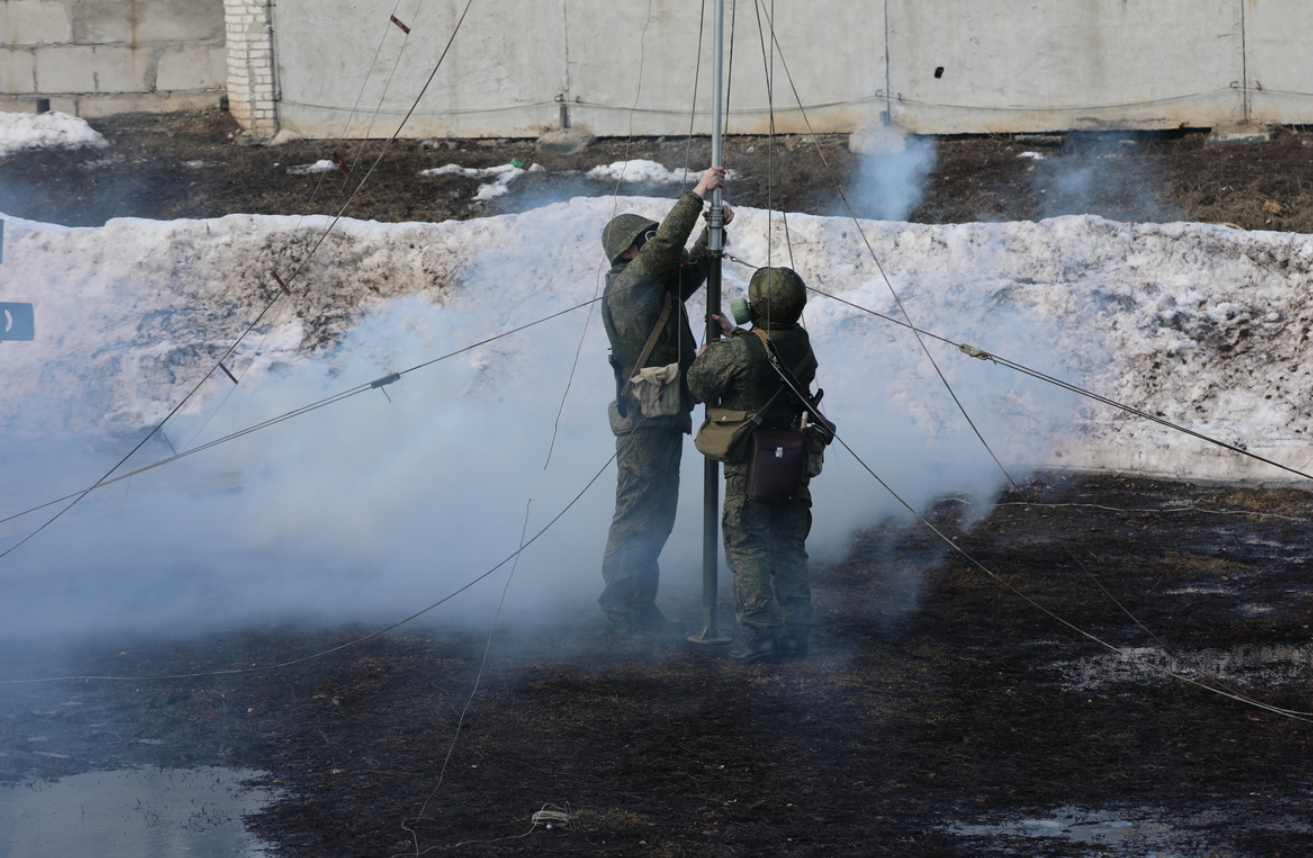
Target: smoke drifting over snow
{"points": [[1091, 173], [894, 168], [372, 508]]}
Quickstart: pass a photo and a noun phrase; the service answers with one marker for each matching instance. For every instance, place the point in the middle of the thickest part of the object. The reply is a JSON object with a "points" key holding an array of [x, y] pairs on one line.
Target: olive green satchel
{"points": [[724, 434]]}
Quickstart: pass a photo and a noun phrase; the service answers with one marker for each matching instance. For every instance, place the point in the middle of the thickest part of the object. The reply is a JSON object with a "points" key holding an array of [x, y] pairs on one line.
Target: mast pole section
{"points": [[710, 633]]}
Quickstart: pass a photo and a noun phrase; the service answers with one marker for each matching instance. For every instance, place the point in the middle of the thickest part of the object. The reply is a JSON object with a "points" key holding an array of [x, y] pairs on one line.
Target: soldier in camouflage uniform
{"points": [[765, 541], [649, 267]]}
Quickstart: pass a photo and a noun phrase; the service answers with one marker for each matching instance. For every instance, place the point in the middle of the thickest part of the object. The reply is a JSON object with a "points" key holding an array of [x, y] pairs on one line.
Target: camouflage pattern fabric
{"points": [[765, 547], [648, 449], [635, 293], [646, 497], [765, 543]]}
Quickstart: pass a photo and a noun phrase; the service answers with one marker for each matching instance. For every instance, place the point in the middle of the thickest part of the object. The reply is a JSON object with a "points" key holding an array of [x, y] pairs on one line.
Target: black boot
{"points": [[794, 643], [623, 626], [763, 648]]}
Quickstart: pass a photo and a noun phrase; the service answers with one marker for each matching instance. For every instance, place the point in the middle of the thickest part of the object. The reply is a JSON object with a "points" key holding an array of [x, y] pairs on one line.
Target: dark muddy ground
{"points": [[947, 710], [197, 165], [943, 705]]}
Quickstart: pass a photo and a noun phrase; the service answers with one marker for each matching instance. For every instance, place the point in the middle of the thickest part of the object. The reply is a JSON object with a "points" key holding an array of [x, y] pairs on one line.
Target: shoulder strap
{"points": [[765, 344], [651, 342], [810, 404]]}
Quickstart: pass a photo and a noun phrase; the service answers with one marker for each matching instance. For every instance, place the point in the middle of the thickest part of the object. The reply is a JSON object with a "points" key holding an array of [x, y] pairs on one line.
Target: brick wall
{"points": [[252, 90]]}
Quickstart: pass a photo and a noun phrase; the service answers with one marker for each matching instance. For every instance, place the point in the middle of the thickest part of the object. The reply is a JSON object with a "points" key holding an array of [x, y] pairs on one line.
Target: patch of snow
{"points": [[502, 175], [132, 315], [639, 170], [21, 131], [323, 165]]}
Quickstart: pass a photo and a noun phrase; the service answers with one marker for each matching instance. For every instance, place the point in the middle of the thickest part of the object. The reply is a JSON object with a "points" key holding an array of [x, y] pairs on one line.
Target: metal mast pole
{"points": [[710, 633]]}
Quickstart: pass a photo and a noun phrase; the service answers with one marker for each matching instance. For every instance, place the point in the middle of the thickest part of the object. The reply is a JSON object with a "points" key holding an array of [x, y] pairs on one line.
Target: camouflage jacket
{"points": [[736, 372], [631, 305]]}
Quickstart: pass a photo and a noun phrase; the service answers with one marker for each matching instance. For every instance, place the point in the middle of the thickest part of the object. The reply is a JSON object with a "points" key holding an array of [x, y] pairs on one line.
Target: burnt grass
{"points": [[936, 693]]}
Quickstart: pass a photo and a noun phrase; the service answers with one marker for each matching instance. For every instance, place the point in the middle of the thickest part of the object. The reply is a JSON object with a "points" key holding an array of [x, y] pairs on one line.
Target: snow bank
{"points": [[357, 506], [1202, 325], [20, 131]]}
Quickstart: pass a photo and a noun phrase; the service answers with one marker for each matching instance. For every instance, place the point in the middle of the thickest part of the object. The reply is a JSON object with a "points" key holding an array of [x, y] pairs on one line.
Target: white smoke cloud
{"points": [[370, 508]]}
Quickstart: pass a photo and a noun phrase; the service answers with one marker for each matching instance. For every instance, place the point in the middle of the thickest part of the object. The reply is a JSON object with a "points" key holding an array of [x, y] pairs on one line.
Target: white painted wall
{"points": [[331, 67], [619, 71], [1050, 65], [1280, 64], [96, 57]]}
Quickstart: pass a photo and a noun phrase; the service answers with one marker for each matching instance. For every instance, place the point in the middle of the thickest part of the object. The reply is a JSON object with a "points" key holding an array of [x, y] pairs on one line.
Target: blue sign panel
{"points": [[17, 322]]}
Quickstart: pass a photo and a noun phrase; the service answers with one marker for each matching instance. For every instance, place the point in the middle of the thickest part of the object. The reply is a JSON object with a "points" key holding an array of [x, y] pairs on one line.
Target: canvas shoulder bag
{"points": [[724, 433]]}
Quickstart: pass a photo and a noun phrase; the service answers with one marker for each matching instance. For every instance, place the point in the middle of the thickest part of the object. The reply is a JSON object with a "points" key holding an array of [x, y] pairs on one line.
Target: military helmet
{"points": [[622, 232], [777, 296]]}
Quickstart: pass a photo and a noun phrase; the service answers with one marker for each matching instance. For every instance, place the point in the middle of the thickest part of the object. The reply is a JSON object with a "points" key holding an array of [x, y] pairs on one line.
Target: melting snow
{"points": [[20, 131]]}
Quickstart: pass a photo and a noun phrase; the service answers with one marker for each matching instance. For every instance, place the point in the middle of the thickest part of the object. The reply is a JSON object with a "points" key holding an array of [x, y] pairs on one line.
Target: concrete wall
{"points": [[343, 67], [1050, 65], [932, 66], [333, 67], [96, 57]]}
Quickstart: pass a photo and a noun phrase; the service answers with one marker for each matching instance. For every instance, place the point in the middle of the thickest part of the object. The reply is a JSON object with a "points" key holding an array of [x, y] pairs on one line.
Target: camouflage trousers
{"points": [[765, 548], [646, 498]]}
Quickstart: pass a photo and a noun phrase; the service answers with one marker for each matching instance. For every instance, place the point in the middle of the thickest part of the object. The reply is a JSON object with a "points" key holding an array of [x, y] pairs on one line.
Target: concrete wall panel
{"points": [[1039, 65], [144, 102], [145, 22], [17, 70], [66, 69], [620, 70], [643, 77], [196, 67], [500, 77], [34, 22], [1279, 63]]}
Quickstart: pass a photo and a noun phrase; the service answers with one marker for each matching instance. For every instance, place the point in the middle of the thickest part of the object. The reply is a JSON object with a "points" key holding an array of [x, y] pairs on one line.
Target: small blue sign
{"points": [[17, 322]]}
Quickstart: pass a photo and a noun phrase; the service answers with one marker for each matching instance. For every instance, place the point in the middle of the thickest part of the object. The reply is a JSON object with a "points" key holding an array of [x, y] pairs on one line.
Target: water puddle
{"points": [[1129, 833], [133, 813], [1132, 832], [1265, 666]]}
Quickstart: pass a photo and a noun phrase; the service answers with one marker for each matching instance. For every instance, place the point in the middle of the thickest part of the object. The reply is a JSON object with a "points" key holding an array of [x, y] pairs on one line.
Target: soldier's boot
{"points": [[764, 648], [794, 643], [655, 624], [623, 626]]}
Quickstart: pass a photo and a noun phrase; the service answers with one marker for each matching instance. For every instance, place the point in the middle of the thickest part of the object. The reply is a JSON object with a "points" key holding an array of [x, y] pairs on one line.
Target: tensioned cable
{"points": [[377, 384], [948, 387], [356, 641], [999, 360], [1232, 695], [393, 23], [880, 266], [1007, 363], [767, 61], [268, 306], [1227, 693], [693, 107]]}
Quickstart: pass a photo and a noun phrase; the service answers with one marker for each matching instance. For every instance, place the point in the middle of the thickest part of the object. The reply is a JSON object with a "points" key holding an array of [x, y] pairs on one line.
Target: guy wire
{"points": [[268, 306], [1038, 375], [880, 267], [948, 387], [1229, 694], [354, 642], [304, 409]]}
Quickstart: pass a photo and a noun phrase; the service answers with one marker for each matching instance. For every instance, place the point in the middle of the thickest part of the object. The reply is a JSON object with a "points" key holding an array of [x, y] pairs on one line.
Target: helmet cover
{"points": [[777, 296], [621, 233]]}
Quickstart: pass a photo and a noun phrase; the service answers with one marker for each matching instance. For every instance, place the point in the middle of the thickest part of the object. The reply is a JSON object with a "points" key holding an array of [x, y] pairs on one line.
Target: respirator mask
{"points": [[741, 310]]}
